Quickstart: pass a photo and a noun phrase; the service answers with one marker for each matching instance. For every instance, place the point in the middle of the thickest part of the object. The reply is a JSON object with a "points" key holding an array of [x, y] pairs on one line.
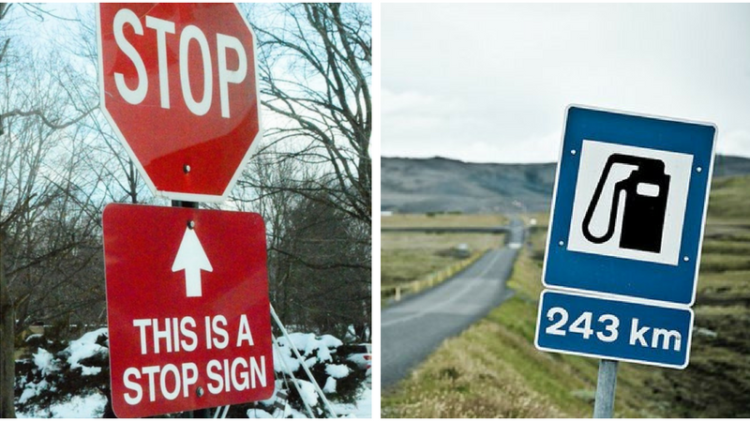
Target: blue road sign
{"points": [[614, 329], [629, 206]]}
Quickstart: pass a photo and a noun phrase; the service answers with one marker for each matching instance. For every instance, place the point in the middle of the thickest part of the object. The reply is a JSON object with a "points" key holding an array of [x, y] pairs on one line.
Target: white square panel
{"points": [[652, 190]]}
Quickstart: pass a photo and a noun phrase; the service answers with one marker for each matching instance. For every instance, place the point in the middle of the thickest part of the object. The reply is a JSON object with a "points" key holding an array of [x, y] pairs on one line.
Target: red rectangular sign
{"points": [[188, 310]]}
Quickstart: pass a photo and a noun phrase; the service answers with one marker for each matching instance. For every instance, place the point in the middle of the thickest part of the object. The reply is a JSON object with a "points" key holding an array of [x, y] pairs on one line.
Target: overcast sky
{"points": [[490, 82]]}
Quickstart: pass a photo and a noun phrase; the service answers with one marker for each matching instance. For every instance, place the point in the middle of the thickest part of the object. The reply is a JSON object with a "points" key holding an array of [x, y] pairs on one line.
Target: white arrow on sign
{"points": [[192, 258]]}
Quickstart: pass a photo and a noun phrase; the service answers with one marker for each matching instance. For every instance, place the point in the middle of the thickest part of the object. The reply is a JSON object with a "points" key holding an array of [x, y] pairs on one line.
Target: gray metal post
{"points": [[604, 404], [197, 413]]}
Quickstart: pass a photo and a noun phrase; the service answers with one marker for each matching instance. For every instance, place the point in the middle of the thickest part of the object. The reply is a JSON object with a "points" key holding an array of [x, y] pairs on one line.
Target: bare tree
{"points": [[105, 157], [312, 179], [38, 115], [268, 187], [327, 257], [315, 62], [319, 257]]}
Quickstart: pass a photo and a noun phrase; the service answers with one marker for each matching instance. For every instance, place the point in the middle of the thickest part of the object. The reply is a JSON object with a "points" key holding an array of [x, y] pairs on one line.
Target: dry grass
{"points": [[443, 220], [407, 256], [465, 379]]}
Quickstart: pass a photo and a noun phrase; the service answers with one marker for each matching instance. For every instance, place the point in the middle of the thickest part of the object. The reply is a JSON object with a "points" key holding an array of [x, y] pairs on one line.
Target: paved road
{"points": [[415, 327]]}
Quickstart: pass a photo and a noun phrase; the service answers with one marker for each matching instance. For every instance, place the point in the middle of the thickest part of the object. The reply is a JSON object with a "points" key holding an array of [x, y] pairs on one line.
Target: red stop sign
{"points": [[178, 85]]}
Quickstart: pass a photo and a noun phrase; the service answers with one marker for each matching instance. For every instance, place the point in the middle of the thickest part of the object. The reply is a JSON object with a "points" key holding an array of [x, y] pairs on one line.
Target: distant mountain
{"points": [[441, 184]]}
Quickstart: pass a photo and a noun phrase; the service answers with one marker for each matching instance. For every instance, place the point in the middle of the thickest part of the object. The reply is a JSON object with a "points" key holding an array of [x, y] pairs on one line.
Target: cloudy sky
{"points": [[490, 82]]}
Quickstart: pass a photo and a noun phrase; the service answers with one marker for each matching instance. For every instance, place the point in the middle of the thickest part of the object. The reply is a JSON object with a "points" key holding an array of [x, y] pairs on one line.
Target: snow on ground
{"points": [[337, 371], [45, 361], [309, 342], [330, 341], [86, 347], [32, 389], [324, 355], [285, 353], [296, 414], [360, 410], [330, 386], [314, 349], [308, 393], [258, 414], [310, 362], [91, 406]]}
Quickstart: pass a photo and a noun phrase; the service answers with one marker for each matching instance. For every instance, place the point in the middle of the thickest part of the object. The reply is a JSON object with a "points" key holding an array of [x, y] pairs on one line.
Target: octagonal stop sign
{"points": [[178, 86]]}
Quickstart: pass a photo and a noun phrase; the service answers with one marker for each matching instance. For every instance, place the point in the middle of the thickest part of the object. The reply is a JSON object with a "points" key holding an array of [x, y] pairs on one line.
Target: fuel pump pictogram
{"points": [[646, 191]]}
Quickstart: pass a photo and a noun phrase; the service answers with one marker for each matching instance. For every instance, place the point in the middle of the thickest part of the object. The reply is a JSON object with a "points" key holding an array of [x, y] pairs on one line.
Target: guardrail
{"points": [[397, 292]]}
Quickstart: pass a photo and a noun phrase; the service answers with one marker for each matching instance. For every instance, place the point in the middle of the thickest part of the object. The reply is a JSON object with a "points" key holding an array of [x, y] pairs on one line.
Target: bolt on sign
{"points": [[178, 85], [187, 308], [623, 249]]}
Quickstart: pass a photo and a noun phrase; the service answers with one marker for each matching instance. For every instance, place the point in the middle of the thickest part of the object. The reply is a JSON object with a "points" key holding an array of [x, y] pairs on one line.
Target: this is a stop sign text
{"points": [[178, 85], [187, 309]]}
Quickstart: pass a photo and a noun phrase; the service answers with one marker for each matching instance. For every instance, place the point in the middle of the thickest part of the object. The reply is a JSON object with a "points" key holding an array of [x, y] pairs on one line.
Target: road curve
{"points": [[415, 327]]}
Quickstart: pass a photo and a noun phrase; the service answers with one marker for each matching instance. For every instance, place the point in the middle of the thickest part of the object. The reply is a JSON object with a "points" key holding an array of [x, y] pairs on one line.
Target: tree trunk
{"points": [[7, 360]]}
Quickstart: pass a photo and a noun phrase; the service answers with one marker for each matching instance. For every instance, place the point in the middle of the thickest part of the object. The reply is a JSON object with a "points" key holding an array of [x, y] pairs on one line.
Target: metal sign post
{"points": [[198, 413], [604, 404]]}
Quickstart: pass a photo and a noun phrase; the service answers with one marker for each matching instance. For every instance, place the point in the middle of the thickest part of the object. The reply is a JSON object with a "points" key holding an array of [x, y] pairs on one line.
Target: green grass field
{"points": [[407, 256], [493, 369]]}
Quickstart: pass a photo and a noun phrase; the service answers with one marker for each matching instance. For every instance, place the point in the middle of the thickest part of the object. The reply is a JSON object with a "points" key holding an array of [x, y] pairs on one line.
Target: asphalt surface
{"points": [[415, 327]]}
